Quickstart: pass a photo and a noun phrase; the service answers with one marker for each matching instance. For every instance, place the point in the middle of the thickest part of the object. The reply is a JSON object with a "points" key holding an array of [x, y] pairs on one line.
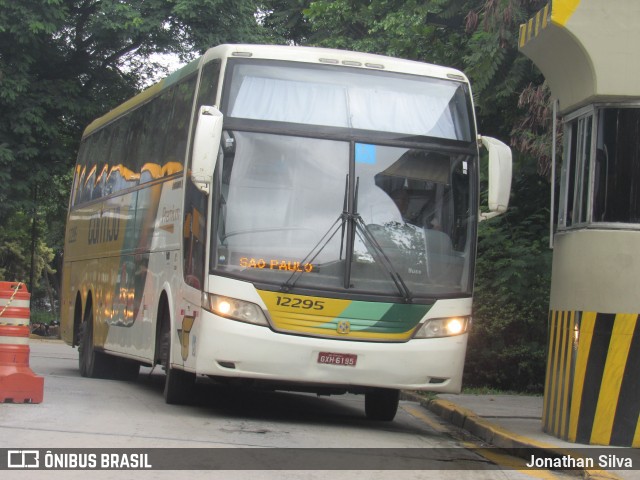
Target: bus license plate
{"points": [[344, 359]]}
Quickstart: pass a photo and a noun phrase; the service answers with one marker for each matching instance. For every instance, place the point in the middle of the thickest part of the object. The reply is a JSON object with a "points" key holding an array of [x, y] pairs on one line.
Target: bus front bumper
{"points": [[227, 348]]}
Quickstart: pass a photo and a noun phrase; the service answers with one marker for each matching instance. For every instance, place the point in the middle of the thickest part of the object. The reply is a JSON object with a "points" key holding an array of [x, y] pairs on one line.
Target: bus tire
{"points": [[92, 364], [179, 386], [381, 404]]}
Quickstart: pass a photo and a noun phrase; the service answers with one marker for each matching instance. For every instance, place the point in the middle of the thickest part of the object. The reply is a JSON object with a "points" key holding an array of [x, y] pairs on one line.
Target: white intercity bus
{"points": [[302, 219]]}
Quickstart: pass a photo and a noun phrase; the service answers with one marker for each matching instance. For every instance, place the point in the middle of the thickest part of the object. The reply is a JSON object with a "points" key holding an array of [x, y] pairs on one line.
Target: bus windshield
{"points": [[338, 214]]}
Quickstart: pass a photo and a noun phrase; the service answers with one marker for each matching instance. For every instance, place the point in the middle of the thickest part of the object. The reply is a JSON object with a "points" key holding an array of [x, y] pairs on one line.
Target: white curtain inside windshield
{"points": [[350, 98]]}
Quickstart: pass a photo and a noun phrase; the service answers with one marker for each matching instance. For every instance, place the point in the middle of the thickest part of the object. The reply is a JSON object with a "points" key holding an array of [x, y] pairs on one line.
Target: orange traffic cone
{"points": [[18, 383]]}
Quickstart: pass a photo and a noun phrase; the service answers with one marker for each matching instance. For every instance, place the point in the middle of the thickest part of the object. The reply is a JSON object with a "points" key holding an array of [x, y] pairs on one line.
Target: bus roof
{"points": [[287, 53], [335, 57]]}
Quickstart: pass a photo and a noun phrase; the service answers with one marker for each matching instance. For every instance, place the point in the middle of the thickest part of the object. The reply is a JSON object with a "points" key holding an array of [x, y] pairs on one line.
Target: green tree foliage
{"points": [[15, 249], [533, 133], [285, 19], [65, 62], [507, 344]]}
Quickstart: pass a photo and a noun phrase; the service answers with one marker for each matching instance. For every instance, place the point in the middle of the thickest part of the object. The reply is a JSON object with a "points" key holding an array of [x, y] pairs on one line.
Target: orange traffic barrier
{"points": [[18, 384]]}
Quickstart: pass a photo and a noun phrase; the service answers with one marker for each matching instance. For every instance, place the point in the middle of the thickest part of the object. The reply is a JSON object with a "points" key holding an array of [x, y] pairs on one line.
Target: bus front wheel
{"points": [[381, 404], [179, 386]]}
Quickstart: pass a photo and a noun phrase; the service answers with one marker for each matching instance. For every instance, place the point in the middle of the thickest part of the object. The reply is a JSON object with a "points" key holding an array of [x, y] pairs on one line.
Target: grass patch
{"points": [[426, 395], [42, 316], [476, 391], [495, 391]]}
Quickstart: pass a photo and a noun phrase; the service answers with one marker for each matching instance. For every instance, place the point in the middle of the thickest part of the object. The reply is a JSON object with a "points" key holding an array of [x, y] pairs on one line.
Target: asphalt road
{"points": [[80, 413]]}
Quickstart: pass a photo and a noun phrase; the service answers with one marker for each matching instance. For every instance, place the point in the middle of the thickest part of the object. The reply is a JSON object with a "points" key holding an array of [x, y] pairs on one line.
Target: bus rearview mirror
{"points": [[206, 144], [500, 166]]}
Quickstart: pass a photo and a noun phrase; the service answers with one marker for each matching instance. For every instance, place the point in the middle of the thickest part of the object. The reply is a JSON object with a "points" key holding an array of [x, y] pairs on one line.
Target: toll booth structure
{"points": [[588, 52]]}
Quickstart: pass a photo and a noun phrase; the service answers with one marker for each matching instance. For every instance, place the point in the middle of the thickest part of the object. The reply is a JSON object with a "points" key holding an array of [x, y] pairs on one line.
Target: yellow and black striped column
{"points": [[592, 389]]}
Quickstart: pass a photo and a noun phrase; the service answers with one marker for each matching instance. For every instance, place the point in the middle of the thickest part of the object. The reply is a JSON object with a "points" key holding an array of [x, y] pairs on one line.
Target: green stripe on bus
{"points": [[383, 317]]}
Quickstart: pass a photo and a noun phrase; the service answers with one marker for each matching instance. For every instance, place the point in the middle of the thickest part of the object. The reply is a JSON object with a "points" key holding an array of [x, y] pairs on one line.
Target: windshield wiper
{"points": [[381, 257], [378, 252], [324, 241], [311, 256], [350, 222]]}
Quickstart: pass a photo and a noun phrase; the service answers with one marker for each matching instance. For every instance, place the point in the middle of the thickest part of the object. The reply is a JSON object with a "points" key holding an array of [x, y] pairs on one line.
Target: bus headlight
{"points": [[234, 309], [443, 327]]}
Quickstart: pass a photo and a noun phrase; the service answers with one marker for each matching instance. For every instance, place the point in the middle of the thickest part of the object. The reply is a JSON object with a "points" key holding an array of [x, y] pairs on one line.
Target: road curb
{"points": [[494, 434], [41, 338]]}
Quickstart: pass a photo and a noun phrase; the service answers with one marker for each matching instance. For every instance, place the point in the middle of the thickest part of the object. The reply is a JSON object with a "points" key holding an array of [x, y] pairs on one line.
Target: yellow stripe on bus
{"points": [[318, 316], [331, 307]]}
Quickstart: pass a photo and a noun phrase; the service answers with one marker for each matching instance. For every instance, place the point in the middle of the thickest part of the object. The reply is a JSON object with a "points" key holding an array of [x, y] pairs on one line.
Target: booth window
{"points": [[616, 195], [601, 168]]}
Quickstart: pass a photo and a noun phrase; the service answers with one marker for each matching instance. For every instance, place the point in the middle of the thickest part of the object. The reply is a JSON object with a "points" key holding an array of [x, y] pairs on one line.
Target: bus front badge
{"points": [[344, 327]]}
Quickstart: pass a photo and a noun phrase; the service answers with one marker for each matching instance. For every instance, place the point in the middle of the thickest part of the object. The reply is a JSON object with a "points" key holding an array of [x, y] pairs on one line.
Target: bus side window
{"points": [[148, 169], [154, 162], [159, 151], [116, 178], [96, 156], [101, 159], [81, 170], [131, 164], [208, 84], [135, 146], [180, 118]]}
